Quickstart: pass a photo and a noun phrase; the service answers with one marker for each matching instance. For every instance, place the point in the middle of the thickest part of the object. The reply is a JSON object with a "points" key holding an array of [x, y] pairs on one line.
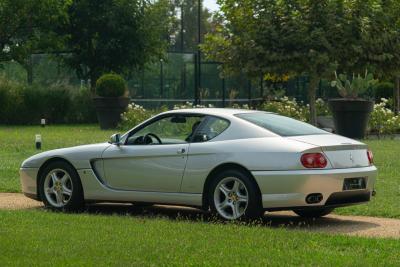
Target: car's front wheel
{"points": [[60, 187], [234, 195], [313, 213]]}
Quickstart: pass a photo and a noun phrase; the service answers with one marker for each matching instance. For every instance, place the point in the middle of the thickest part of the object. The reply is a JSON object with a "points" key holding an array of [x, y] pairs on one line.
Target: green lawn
{"points": [[17, 143], [55, 239], [128, 236]]}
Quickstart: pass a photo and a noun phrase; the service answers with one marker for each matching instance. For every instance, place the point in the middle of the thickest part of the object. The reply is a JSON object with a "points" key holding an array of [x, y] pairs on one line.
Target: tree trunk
{"points": [[312, 89], [396, 95]]}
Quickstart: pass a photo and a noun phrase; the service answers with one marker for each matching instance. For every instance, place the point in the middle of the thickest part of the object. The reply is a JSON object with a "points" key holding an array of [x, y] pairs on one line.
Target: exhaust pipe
{"points": [[314, 198]]}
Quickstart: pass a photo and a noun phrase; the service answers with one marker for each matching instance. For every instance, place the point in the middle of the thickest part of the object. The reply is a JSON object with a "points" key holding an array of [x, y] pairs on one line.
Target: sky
{"points": [[211, 4]]}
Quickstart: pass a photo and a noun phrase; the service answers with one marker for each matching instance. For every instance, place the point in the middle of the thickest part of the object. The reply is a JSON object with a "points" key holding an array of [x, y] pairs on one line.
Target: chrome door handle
{"points": [[181, 151]]}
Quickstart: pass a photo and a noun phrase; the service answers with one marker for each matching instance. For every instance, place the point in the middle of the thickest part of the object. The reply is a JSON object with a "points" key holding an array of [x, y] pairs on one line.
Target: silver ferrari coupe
{"points": [[237, 163]]}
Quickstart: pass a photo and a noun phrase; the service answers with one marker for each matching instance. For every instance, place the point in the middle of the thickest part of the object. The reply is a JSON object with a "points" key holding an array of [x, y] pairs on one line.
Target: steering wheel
{"points": [[148, 137]]}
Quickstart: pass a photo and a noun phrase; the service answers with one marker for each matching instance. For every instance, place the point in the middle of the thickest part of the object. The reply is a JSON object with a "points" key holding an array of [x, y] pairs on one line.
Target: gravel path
{"points": [[333, 224]]}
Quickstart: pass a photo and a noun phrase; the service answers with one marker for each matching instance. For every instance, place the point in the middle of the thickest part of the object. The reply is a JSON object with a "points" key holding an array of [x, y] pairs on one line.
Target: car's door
{"points": [[152, 158]]}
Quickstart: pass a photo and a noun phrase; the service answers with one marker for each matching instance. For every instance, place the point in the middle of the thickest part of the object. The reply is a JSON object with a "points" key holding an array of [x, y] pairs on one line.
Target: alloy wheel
{"points": [[231, 198], [58, 188]]}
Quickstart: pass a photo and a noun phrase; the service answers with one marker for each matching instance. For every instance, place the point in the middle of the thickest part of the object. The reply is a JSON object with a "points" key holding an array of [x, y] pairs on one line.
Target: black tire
{"points": [[313, 213], [254, 205], [75, 201]]}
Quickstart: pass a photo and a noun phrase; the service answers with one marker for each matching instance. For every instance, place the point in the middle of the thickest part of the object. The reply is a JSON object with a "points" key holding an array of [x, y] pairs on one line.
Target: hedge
{"points": [[23, 104]]}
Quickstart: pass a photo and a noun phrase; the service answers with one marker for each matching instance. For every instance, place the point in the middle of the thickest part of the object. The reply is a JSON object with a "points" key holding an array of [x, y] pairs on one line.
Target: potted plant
{"points": [[111, 100], [351, 113]]}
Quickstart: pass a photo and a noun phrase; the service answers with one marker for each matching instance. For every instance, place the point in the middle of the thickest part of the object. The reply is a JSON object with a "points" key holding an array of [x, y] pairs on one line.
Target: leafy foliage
{"points": [[185, 31], [134, 115], [310, 38], [287, 107], [295, 109], [26, 104], [382, 120], [26, 27], [114, 35], [111, 85], [383, 90], [354, 87], [279, 37]]}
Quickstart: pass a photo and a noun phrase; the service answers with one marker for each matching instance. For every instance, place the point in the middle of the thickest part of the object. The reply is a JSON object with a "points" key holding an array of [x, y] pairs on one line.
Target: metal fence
{"points": [[172, 81]]}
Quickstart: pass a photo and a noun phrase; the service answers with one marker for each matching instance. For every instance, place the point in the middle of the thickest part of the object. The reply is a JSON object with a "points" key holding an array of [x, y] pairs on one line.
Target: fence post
{"points": [[196, 80], [249, 91], [161, 78], [223, 92]]}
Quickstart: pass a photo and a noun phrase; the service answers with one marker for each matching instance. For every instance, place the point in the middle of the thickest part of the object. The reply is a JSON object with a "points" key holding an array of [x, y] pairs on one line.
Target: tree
{"points": [[384, 44], [25, 28], [305, 37], [114, 35], [186, 26], [281, 37]]}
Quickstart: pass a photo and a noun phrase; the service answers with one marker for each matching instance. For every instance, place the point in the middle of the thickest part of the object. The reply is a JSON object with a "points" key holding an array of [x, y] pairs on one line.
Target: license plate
{"points": [[354, 183]]}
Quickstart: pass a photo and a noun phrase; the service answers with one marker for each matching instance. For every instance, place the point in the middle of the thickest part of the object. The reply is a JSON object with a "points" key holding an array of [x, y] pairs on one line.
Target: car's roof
{"points": [[213, 111]]}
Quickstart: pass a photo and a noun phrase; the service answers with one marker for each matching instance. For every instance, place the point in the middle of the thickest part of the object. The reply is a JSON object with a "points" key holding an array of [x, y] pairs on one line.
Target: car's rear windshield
{"points": [[280, 125]]}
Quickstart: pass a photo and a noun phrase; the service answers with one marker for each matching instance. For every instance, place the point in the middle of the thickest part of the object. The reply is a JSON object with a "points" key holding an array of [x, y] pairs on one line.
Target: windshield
{"points": [[280, 125]]}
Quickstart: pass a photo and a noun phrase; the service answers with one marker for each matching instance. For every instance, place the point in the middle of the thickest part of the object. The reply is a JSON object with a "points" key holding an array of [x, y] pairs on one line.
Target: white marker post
{"points": [[38, 141], [43, 122]]}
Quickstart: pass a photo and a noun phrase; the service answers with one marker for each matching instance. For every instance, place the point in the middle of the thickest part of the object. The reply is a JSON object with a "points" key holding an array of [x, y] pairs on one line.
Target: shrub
{"points": [[382, 120], [55, 103], [82, 109], [191, 105], [383, 90], [23, 104], [238, 106], [322, 108], [13, 110], [134, 115], [111, 85], [287, 107]]}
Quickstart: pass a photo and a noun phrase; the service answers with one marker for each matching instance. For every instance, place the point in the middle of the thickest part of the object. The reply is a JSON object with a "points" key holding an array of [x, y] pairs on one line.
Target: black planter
{"points": [[351, 116], [109, 110]]}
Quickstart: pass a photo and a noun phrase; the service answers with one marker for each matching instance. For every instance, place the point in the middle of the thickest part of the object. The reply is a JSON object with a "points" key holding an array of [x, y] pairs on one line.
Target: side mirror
{"points": [[115, 139]]}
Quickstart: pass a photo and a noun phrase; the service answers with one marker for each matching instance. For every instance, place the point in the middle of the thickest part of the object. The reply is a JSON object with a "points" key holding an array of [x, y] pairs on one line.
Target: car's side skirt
{"points": [[94, 190]]}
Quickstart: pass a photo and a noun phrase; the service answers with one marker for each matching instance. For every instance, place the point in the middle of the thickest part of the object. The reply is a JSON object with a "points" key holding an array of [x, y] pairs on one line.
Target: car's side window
{"points": [[210, 128], [175, 129]]}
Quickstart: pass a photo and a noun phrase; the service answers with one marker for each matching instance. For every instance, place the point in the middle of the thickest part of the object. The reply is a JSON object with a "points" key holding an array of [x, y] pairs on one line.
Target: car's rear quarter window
{"points": [[281, 125]]}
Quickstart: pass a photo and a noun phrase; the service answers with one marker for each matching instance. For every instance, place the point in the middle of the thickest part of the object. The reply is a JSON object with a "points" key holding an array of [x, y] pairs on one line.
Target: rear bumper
{"points": [[28, 178], [288, 189]]}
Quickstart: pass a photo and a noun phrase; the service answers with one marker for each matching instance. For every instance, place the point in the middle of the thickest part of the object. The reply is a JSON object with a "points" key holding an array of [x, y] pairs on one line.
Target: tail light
{"points": [[314, 160], [370, 157]]}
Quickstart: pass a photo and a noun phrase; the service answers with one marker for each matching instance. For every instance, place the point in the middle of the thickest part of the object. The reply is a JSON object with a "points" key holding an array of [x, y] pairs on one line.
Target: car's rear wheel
{"points": [[61, 188], [233, 195], [313, 213]]}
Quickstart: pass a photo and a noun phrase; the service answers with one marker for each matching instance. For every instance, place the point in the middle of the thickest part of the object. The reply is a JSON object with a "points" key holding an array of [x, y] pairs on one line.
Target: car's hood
{"points": [[79, 156]]}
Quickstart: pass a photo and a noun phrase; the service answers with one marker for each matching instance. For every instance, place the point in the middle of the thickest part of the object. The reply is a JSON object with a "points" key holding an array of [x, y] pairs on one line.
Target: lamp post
{"points": [[38, 141]]}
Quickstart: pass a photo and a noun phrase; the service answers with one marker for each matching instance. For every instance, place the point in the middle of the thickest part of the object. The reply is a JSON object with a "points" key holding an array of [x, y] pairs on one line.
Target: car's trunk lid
{"points": [[342, 152]]}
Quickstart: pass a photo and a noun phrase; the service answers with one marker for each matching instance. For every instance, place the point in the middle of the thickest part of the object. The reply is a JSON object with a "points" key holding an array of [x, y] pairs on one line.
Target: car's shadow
{"points": [[287, 220]]}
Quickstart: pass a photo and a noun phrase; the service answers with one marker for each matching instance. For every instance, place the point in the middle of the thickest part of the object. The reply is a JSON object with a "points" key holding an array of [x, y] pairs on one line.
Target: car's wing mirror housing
{"points": [[115, 139]]}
